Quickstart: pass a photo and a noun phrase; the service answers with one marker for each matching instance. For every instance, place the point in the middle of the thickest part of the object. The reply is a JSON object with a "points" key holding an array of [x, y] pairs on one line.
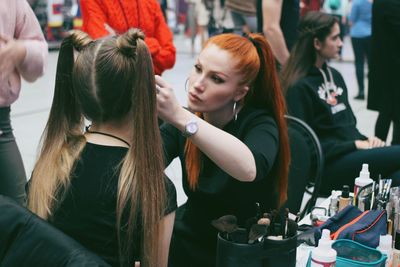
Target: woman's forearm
{"points": [[224, 149]]}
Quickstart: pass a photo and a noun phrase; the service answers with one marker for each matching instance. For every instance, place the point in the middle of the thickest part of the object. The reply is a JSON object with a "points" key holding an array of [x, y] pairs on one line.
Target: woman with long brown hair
{"points": [[105, 186], [234, 150], [317, 94]]}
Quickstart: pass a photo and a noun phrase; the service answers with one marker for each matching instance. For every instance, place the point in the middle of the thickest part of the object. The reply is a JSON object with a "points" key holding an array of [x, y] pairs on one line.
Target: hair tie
{"points": [[256, 45], [250, 39]]}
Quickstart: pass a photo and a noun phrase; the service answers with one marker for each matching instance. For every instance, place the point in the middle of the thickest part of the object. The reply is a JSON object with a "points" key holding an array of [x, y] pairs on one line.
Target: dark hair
{"points": [[256, 64], [112, 79], [303, 55]]}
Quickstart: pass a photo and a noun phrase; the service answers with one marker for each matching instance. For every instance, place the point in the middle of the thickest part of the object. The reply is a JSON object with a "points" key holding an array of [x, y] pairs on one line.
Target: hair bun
{"points": [[127, 42], [80, 39]]}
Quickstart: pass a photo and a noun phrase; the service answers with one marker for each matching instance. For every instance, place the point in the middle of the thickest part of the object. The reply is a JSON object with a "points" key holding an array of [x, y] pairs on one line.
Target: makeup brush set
{"points": [[266, 239], [269, 225]]}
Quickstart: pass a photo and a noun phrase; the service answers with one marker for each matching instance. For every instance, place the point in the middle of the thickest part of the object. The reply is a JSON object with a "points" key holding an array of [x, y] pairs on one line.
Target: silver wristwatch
{"points": [[191, 128]]}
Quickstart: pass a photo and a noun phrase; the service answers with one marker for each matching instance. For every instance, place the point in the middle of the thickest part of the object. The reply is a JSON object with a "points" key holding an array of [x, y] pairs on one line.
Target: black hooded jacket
{"points": [[324, 106]]}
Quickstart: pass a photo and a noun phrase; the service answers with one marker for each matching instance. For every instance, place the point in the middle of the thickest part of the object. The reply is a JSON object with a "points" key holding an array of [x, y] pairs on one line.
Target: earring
{"points": [[234, 110], [186, 85]]}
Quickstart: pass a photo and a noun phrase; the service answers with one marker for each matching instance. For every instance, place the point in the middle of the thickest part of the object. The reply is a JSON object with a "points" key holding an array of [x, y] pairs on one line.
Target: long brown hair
{"points": [[303, 55], [111, 79], [256, 63]]}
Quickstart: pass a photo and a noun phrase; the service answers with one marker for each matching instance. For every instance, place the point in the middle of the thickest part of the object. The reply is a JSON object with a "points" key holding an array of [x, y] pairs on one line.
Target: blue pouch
{"points": [[341, 218], [351, 223], [365, 229]]}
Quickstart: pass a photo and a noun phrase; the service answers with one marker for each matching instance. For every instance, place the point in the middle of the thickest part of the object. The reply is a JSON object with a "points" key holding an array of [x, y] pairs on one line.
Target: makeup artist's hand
{"points": [[169, 109]]}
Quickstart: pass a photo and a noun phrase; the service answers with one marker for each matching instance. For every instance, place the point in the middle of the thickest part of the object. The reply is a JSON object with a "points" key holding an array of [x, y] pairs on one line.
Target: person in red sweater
{"points": [[102, 18]]}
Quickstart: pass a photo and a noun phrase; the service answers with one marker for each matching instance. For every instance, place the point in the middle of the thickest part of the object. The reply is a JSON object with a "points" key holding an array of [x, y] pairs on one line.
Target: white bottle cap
{"points": [[326, 234], [325, 242], [324, 253], [363, 178], [364, 173]]}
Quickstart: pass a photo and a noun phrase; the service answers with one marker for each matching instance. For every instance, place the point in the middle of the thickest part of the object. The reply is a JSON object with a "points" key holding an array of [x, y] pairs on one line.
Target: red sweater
{"points": [[121, 15]]}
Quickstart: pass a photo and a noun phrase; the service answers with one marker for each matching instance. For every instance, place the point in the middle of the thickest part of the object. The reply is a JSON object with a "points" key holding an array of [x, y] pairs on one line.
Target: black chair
{"points": [[306, 165], [28, 241]]}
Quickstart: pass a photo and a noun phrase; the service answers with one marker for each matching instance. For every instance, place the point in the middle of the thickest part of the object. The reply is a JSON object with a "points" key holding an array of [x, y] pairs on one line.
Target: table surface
{"points": [[307, 218]]}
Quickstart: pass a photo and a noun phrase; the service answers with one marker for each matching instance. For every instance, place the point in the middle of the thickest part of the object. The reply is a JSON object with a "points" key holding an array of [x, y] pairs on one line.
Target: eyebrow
{"points": [[216, 72]]}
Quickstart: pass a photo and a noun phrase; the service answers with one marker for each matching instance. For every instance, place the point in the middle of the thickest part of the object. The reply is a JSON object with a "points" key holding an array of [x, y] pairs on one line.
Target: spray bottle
{"points": [[324, 255], [360, 182]]}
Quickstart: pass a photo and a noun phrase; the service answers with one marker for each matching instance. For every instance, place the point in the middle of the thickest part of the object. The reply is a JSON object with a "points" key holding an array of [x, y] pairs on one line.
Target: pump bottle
{"points": [[361, 181], [324, 255]]}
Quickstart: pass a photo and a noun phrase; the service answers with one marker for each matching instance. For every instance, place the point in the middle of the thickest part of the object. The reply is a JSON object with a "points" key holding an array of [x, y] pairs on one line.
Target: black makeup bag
{"points": [[266, 253]]}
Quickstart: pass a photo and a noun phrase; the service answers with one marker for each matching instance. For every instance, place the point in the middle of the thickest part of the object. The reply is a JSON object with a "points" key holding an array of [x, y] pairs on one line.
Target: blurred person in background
{"points": [[244, 15], [360, 32], [317, 94], [278, 20], [310, 5], [198, 17], [102, 18], [23, 53], [39, 7], [384, 78], [164, 8]]}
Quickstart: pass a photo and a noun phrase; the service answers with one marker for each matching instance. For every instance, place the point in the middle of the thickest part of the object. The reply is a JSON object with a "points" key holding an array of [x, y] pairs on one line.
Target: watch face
{"points": [[191, 128]]}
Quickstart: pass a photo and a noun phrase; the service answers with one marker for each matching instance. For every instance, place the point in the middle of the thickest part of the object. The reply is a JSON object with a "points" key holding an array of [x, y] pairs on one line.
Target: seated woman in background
{"points": [[234, 150], [317, 94], [105, 187]]}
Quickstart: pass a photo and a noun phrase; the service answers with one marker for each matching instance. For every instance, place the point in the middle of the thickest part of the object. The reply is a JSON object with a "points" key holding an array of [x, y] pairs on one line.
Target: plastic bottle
{"points": [[361, 181], [396, 250], [324, 255], [333, 206], [385, 246], [344, 199]]}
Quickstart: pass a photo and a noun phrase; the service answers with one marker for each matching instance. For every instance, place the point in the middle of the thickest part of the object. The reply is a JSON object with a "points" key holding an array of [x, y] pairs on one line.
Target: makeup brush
{"points": [[264, 221], [226, 224], [257, 231]]}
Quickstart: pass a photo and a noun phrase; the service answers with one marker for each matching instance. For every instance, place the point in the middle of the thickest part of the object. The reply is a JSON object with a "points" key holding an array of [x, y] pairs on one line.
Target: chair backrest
{"points": [[27, 240], [306, 166]]}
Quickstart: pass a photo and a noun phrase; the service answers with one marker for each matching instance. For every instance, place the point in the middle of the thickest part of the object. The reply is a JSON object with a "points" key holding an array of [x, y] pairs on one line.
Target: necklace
{"points": [[87, 129]]}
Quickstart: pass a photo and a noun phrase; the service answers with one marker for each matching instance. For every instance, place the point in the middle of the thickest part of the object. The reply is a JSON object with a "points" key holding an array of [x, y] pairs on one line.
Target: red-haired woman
{"points": [[234, 150]]}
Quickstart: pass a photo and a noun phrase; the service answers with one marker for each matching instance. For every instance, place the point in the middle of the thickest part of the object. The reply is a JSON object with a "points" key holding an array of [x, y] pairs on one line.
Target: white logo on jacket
{"points": [[329, 92]]}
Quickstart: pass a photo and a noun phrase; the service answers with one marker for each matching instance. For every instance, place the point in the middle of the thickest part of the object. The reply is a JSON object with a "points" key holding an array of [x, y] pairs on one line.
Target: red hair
{"points": [[256, 63]]}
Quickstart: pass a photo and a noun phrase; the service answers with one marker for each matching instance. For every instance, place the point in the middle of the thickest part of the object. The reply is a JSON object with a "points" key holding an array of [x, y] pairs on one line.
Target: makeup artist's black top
{"points": [[218, 193], [88, 212]]}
